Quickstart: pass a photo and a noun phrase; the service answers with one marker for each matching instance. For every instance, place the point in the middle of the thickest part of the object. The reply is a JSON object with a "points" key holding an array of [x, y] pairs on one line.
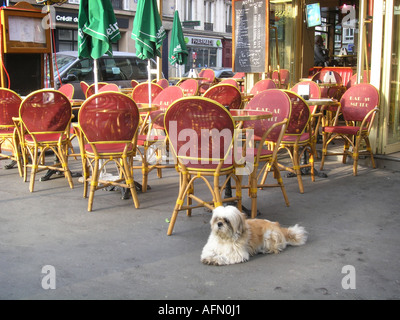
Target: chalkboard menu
{"points": [[250, 36]]}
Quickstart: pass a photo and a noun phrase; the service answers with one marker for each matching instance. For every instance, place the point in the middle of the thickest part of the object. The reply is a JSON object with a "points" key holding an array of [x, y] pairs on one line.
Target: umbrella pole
{"points": [[96, 80], [149, 78]]}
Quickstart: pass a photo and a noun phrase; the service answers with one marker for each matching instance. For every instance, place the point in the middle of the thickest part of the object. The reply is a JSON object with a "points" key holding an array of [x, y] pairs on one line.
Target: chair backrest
{"points": [[109, 87], [92, 88], [109, 117], [46, 111], [262, 85], [313, 89], [299, 116], [10, 102], [84, 87], [230, 81], [190, 87], [140, 93], [284, 77], [163, 83], [209, 74], [239, 75], [134, 83], [226, 94], [320, 76], [200, 131], [275, 101], [167, 96], [68, 90], [164, 99], [358, 101], [353, 79]]}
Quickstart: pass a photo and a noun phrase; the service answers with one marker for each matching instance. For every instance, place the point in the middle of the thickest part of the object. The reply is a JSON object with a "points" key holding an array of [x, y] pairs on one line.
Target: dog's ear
{"points": [[240, 221]]}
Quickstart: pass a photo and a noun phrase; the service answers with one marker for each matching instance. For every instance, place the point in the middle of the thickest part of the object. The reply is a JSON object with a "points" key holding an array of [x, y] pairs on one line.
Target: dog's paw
{"points": [[214, 261]]}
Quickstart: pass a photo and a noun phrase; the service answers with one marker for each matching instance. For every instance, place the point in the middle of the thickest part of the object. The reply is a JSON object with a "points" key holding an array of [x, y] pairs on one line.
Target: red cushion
{"points": [[107, 148], [8, 130], [342, 129], [305, 137], [50, 137]]}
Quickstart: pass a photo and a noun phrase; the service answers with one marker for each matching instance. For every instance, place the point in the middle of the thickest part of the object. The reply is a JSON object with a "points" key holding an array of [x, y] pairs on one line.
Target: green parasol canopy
{"points": [[148, 31], [97, 28], [178, 52]]}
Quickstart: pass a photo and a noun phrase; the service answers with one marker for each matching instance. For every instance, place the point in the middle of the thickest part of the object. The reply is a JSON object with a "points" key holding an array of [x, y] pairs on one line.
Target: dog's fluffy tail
{"points": [[296, 235]]}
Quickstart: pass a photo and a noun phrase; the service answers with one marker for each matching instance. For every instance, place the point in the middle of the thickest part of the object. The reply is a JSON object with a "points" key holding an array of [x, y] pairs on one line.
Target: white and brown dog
{"points": [[234, 238]]}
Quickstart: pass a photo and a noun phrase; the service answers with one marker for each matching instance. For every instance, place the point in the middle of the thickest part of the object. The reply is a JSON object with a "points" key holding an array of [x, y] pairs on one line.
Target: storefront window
{"points": [[394, 114], [282, 15]]}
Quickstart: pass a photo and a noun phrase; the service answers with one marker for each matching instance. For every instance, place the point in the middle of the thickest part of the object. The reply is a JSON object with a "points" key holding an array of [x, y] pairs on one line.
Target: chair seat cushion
{"points": [[46, 137], [304, 138], [108, 148], [342, 129], [7, 131], [207, 166], [142, 138], [265, 153]]}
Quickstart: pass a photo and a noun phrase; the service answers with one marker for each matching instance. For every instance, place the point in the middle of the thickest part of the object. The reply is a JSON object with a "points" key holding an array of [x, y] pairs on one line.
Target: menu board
{"points": [[250, 36], [23, 32]]}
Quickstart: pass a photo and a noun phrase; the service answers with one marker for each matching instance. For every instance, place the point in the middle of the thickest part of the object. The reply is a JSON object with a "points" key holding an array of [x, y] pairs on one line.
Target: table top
{"points": [[322, 102], [247, 115], [77, 102], [333, 84], [145, 107], [126, 90], [186, 78]]}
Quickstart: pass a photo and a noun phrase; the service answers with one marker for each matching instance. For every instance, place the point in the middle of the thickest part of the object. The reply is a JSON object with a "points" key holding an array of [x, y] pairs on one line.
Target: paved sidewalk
{"points": [[119, 252]]}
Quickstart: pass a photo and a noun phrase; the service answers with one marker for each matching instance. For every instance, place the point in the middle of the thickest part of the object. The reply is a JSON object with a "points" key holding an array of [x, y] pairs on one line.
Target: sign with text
{"points": [[250, 36]]}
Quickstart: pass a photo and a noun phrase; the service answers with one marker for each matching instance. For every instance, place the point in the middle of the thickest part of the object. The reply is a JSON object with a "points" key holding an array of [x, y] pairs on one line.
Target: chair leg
{"points": [[64, 164], [296, 167], [345, 151], [279, 179], [34, 169], [311, 163], [369, 149], [356, 150], [93, 183], [130, 182], [179, 202], [253, 193], [324, 150]]}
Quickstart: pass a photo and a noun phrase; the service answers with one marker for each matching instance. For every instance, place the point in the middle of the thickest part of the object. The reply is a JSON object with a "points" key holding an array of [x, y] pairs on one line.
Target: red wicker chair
{"points": [[153, 144], [268, 131], [200, 155], [209, 80], [190, 87], [9, 109], [68, 90], [299, 139], [45, 117], [263, 85], [358, 105], [226, 94], [108, 123]]}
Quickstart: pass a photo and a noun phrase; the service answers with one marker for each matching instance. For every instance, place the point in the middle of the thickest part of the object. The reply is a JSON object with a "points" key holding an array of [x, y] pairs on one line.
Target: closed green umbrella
{"points": [[97, 29], [178, 52], [148, 33]]}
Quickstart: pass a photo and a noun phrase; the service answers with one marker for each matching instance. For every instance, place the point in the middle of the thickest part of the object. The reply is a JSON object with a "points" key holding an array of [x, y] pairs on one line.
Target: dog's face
{"points": [[227, 222]]}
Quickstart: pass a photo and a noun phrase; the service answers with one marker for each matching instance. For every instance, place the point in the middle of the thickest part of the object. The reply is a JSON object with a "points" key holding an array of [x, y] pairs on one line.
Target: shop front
{"points": [[358, 34], [203, 52]]}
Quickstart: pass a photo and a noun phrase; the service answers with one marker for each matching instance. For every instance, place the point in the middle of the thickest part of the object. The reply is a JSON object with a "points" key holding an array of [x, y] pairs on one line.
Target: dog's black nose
{"points": [[220, 224]]}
